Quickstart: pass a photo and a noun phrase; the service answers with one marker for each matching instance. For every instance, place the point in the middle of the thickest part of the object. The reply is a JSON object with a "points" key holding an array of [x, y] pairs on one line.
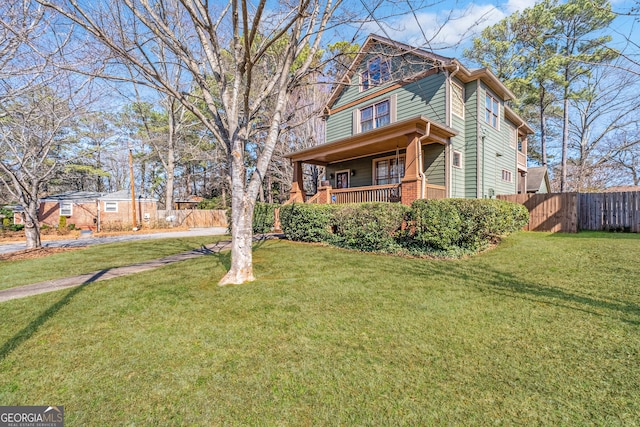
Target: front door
{"points": [[342, 179]]}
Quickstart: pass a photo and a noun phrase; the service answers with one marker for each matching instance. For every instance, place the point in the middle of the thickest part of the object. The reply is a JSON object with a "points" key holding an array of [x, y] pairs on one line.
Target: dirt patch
{"points": [[34, 253]]}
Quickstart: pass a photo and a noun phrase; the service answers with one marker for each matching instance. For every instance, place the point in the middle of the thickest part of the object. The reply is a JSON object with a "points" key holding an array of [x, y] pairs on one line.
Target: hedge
{"points": [[371, 227], [307, 222], [264, 217], [447, 227]]}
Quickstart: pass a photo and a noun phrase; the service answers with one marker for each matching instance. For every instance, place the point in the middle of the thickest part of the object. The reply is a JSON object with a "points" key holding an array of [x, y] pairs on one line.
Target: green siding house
{"points": [[406, 124]]}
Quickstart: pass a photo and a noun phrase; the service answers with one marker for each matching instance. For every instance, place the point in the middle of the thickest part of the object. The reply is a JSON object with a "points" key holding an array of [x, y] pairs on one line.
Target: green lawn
{"points": [[94, 258], [543, 330]]}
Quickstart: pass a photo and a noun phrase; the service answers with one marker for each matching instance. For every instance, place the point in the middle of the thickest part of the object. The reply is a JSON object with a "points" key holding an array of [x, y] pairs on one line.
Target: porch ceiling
{"points": [[386, 138]]}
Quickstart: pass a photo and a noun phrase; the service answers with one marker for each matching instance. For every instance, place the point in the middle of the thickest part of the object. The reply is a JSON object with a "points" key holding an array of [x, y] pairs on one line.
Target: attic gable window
{"points": [[457, 100], [378, 72]]}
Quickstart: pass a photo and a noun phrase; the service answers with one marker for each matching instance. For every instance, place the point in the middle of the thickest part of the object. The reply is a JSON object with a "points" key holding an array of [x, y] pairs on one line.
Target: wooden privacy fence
{"points": [[571, 212], [610, 211], [194, 217]]}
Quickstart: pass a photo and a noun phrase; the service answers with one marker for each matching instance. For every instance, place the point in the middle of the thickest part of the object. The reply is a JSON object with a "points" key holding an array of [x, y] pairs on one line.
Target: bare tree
{"points": [[36, 105], [223, 49], [605, 108], [34, 133]]}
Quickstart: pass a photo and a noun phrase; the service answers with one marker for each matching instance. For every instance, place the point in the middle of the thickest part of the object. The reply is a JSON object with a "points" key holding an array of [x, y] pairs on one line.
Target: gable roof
{"points": [[535, 177], [125, 195], [73, 196], [440, 62]]}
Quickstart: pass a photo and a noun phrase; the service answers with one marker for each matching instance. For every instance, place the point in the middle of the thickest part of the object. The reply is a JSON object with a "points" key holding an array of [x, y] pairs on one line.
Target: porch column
{"points": [[411, 181], [297, 186]]}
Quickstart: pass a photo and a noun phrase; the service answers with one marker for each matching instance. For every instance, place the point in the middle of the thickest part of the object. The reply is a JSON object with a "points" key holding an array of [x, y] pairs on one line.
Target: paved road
{"points": [[88, 241]]}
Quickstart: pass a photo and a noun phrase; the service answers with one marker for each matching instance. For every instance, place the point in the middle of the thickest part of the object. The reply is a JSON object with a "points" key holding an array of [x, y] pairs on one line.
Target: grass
{"points": [[94, 258], [545, 329]]}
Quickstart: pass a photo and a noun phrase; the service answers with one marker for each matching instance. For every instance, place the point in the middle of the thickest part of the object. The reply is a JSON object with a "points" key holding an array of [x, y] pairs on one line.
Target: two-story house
{"points": [[405, 124]]}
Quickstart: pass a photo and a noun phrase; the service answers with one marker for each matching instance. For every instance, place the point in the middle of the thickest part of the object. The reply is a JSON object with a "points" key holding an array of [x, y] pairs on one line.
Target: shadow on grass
{"points": [[587, 234], [510, 285], [33, 327]]}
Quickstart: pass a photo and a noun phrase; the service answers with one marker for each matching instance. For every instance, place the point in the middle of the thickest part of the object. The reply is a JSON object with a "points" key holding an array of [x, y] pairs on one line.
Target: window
{"points": [[389, 170], [457, 159], [492, 110], [66, 208], [457, 100], [378, 72], [111, 206], [506, 175], [374, 116]]}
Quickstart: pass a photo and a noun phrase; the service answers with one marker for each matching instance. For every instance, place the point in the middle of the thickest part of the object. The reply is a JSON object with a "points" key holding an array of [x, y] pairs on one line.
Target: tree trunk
{"points": [[543, 128], [242, 205], [565, 145], [31, 225]]}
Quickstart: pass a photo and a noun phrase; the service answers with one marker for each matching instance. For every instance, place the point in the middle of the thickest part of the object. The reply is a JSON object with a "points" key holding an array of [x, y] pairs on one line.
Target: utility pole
{"points": [[133, 192]]}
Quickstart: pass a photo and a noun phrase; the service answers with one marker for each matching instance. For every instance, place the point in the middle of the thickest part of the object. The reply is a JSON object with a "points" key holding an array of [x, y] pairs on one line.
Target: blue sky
{"points": [[447, 27]]}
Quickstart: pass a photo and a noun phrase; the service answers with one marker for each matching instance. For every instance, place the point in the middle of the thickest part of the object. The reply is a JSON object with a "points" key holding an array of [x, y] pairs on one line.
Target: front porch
{"points": [[400, 162]]}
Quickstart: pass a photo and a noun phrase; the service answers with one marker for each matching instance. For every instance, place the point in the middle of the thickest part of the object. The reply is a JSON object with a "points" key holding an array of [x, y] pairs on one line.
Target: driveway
{"points": [[88, 241]]}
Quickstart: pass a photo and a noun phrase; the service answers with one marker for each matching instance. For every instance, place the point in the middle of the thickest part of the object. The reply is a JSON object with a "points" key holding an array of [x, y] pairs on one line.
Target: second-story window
{"points": [[378, 72], [374, 116], [492, 110]]}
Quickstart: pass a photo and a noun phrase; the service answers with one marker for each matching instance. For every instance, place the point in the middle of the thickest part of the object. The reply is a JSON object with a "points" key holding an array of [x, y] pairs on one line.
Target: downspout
{"points": [[479, 145]]}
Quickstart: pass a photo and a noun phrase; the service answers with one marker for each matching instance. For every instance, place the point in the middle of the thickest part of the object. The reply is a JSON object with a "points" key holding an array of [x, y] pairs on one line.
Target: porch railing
{"points": [[374, 193], [522, 159]]}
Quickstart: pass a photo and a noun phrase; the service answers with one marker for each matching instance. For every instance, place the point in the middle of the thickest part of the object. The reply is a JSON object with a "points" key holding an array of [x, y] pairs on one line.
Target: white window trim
{"points": [[393, 102], [453, 156], [510, 174], [62, 203], [111, 211], [374, 170], [462, 100], [371, 86], [492, 95]]}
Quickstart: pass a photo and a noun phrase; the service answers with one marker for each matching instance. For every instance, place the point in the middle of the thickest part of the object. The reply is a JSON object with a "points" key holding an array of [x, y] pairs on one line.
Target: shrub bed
{"points": [[449, 227], [307, 222], [371, 227], [264, 217]]}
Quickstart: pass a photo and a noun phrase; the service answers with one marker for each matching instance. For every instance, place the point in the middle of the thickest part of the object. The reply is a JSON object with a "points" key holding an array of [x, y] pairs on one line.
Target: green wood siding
{"points": [[424, 97], [363, 168], [471, 139], [497, 154], [434, 163], [459, 143]]}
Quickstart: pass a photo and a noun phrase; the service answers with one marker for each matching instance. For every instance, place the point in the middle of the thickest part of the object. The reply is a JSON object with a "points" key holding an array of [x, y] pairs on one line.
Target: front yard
{"points": [[545, 329]]}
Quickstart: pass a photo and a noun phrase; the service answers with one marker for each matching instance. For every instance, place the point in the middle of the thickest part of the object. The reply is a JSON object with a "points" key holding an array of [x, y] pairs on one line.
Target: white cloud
{"points": [[446, 31]]}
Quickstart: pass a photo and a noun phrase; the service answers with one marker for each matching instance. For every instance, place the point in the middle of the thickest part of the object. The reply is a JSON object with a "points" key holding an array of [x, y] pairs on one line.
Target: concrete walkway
{"points": [[98, 276]]}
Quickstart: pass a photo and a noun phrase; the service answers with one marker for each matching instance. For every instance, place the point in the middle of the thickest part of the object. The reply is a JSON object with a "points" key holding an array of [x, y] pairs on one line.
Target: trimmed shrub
{"points": [[468, 224], [263, 217], [368, 227], [435, 223], [307, 222]]}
